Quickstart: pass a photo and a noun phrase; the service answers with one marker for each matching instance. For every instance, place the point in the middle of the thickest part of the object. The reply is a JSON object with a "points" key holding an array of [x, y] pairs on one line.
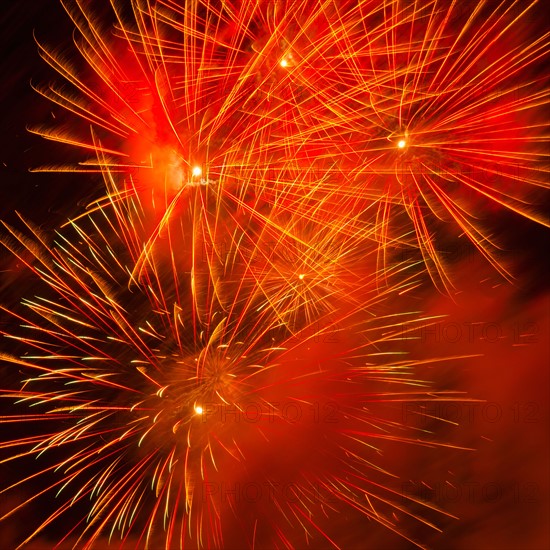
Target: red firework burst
{"points": [[371, 111]]}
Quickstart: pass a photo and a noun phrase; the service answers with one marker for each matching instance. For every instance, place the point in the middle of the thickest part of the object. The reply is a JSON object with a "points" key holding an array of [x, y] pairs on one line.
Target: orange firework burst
{"points": [[437, 112], [168, 422]]}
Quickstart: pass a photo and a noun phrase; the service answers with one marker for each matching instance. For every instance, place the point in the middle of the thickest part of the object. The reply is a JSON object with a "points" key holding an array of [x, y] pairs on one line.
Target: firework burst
{"points": [[441, 113], [377, 111], [161, 415]]}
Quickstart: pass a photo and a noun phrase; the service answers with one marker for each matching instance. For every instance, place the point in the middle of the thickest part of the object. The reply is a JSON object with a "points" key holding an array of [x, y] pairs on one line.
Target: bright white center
{"points": [[401, 143], [197, 171], [198, 409]]}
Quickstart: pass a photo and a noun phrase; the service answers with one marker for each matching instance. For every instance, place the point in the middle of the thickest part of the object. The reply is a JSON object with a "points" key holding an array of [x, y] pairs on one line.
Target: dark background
{"points": [[513, 452]]}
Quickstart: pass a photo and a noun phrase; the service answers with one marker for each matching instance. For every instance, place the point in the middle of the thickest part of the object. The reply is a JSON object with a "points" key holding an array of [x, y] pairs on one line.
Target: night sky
{"points": [[502, 500]]}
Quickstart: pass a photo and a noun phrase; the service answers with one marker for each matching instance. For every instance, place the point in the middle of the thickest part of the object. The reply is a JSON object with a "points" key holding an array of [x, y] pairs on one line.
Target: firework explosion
{"points": [[219, 348]]}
